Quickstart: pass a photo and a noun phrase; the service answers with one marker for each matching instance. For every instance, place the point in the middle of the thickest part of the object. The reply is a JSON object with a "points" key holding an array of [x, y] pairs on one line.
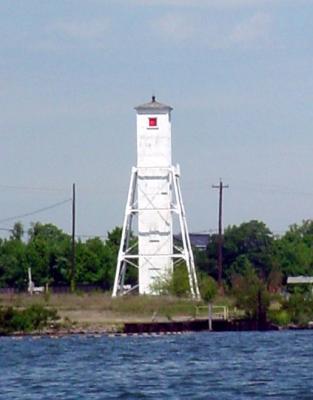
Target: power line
{"points": [[35, 188], [201, 184], [85, 189], [6, 229], [261, 187], [60, 203], [274, 191]]}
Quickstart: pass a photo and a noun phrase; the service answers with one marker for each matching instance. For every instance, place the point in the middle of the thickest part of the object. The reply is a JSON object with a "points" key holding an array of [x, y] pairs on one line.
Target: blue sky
{"points": [[237, 72]]}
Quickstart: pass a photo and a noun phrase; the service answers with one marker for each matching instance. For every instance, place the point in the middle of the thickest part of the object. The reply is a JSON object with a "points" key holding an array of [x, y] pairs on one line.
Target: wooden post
{"points": [[73, 258], [210, 316], [221, 187]]}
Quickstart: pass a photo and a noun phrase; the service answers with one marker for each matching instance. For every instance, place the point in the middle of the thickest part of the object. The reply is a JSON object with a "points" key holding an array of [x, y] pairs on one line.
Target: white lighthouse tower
{"points": [[154, 197]]}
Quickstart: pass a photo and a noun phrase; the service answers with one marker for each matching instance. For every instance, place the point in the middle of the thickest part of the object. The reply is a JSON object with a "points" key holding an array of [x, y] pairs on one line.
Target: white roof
{"points": [[300, 279]]}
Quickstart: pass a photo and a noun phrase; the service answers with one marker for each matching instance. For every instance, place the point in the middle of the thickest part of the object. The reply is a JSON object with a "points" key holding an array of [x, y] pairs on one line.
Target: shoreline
{"points": [[95, 314], [140, 329]]}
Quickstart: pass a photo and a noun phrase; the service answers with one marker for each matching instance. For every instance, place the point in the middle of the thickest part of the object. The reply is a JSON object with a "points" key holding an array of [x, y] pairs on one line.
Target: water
{"points": [[248, 365]]}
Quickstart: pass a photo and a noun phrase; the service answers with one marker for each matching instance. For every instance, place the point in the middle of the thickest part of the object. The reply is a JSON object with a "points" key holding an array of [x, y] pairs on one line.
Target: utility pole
{"points": [[221, 187], [73, 258]]}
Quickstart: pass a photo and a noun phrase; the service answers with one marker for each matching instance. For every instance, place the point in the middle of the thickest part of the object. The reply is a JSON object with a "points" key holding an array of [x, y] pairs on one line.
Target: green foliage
{"points": [[47, 250], [250, 293], [179, 282], [273, 258], [240, 266], [293, 252], [279, 317], [207, 287], [275, 279], [300, 308], [36, 317], [206, 261], [17, 231], [13, 263], [251, 241], [48, 254], [176, 284]]}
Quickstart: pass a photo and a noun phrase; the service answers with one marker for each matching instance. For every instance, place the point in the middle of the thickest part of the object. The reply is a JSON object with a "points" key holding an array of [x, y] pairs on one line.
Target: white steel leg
{"points": [[121, 263]]}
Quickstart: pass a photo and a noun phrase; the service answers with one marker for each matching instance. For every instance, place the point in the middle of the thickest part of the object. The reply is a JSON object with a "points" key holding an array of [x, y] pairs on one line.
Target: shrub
{"points": [[207, 287], [251, 294], [180, 282], [176, 284], [33, 318], [280, 317], [300, 308]]}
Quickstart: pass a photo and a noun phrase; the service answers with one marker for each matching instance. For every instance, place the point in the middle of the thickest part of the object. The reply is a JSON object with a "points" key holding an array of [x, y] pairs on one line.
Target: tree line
{"points": [[248, 246], [48, 252], [252, 245]]}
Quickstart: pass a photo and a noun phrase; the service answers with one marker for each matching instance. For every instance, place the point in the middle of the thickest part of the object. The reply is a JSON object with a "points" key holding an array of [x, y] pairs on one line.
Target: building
{"points": [[198, 241]]}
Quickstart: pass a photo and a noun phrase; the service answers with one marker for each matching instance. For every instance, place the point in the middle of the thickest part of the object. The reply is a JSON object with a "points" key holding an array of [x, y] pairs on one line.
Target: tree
{"points": [[293, 252], [251, 293], [48, 254], [207, 287], [17, 231], [205, 260], [96, 260], [275, 279], [112, 245], [13, 264], [252, 240]]}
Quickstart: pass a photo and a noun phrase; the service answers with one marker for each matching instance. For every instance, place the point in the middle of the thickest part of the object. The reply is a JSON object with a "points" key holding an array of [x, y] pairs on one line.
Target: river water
{"points": [[233, 365]]}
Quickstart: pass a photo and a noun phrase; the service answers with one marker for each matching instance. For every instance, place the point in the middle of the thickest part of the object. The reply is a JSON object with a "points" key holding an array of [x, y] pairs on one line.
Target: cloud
{"points": [[254, 29]]}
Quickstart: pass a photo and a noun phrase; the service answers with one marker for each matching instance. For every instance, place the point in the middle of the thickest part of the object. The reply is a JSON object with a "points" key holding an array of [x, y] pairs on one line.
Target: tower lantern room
{"points": [[154, 147]]}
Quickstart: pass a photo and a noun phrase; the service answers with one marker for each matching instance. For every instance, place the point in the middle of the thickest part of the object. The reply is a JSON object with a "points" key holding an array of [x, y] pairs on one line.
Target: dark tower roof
{"points": [[198, 240], [153, 106]]}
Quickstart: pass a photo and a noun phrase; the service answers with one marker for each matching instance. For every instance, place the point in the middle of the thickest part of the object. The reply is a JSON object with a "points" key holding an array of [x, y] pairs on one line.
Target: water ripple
{"points": [[240, 366]]}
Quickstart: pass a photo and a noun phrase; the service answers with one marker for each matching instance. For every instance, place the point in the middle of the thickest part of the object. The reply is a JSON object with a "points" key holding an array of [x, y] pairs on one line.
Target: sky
{"points": [[238, 74]]}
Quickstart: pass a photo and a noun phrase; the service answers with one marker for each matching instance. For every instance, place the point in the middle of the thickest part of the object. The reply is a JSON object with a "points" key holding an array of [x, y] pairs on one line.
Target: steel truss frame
{"points": [[126, 255]]}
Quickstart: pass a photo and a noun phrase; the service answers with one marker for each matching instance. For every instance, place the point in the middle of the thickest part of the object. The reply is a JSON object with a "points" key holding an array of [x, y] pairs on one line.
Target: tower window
{"points": [[153, 122]]}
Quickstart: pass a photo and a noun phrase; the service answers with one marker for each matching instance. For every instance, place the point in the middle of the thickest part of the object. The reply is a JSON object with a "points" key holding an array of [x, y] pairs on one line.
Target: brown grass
{"points": [[98, 310], [101, 309]]}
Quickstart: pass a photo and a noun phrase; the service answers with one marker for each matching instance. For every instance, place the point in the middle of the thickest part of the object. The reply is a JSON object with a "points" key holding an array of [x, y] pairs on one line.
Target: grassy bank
{"points": [[101, 311], [35, 318]]}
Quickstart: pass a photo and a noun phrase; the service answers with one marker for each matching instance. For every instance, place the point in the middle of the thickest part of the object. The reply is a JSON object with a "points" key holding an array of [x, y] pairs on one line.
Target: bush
{"points": [[207, 287], [176, 284], [280, 317], [300, 308], [251, 294], [33, 318], [180, 282]]}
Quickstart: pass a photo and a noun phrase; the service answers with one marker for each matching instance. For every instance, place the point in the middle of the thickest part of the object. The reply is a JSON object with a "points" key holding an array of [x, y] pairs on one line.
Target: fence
{"points": [[217, 312]]}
